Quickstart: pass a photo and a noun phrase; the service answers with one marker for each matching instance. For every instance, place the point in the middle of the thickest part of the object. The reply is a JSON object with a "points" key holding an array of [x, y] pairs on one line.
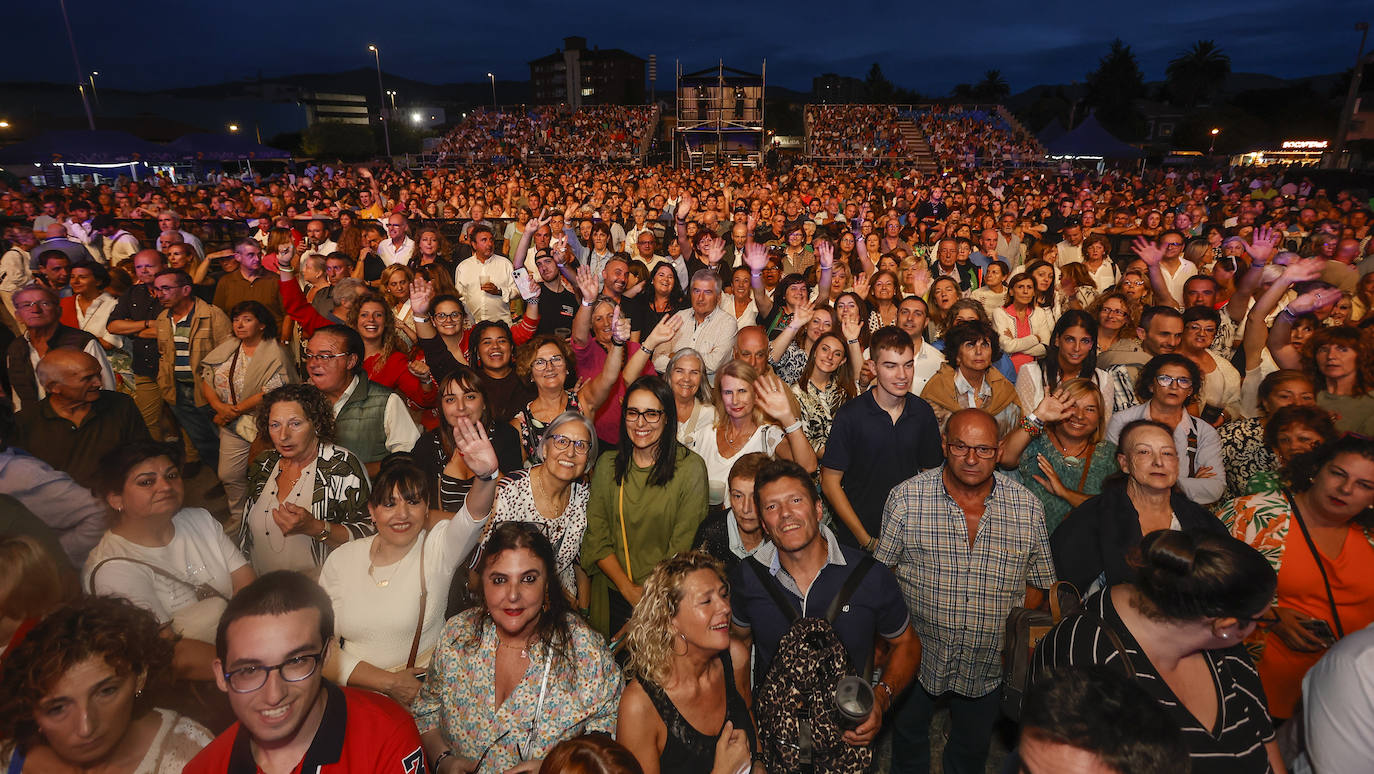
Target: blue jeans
{"points": [[197, 422], [971, 725]]}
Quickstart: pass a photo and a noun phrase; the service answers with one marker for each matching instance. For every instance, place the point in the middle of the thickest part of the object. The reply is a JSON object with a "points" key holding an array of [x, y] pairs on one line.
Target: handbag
{"points": [[1321, 563], [424, 600], [246, 426], [196, 621]]}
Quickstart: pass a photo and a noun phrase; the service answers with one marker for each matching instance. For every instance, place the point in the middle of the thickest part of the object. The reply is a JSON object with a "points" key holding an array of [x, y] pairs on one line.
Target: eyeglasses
{"points": [[322, 356], [293, 670], [448, 316], [1204, 329], [960, 449], [1170, 244], [650, 416], [547, 362], [1108, 312], [27, 305], [1132, 283], [1164, 380], [562, 442]]}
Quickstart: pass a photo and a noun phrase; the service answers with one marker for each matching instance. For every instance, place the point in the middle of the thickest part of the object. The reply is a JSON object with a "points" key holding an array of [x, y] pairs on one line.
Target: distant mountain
{"points": [[1235, 84], [364, 81]]}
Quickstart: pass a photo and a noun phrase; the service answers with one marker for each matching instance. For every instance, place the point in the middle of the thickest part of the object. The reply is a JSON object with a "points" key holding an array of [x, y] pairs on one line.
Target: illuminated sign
{"points": [[1304, 144]]}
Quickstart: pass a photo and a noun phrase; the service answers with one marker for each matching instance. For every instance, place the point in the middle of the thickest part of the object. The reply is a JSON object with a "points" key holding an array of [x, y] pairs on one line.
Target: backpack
{"points": [[794, 704]]}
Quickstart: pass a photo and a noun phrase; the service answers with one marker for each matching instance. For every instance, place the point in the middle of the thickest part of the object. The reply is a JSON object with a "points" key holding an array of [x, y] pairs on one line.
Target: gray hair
{"points": [[581, 419], [348, 290], [172, 237], [703, 389], [703, 275]]}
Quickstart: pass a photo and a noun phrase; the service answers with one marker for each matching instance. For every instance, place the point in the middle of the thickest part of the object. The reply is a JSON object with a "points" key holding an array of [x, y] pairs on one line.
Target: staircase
{"points": [[917, 148], [646, 142], [1018, 126]]}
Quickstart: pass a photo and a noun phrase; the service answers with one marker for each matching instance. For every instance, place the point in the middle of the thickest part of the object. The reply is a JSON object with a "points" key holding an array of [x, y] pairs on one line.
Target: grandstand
{"points": [[610, 134], [929, 137]]}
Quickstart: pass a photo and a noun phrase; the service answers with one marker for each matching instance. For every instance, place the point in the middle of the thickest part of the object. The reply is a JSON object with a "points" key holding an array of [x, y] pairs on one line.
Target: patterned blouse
{"points": [[340, 497], [532, 430], [1070, 472], [459, 696], [818, 411], [1244, 454], [789, 367], [515, 502]]}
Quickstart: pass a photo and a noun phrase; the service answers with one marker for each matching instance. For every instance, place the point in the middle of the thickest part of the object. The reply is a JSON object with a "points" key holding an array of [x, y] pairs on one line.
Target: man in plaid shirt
{"points": [[967, 544]]}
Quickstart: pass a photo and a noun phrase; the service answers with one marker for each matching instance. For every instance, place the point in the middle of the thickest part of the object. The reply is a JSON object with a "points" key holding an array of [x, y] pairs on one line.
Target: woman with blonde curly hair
{"points": [[685, 666]]}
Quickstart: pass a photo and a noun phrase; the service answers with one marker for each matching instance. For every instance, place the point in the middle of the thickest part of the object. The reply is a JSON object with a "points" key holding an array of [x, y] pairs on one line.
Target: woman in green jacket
{"points": [[648, 494]]}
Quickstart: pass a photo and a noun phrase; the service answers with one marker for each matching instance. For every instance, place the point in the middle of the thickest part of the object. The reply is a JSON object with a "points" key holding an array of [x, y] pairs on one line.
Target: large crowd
{"points": [[725, 470], [604, 133], [963, 137], [854, 131]]}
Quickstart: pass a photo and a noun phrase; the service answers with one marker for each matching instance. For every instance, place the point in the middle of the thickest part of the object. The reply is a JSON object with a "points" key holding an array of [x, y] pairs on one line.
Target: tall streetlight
{"points": [[80, 85], [1213, 146], [381, 93], [392, 94], [94, 95], [493, 89]]}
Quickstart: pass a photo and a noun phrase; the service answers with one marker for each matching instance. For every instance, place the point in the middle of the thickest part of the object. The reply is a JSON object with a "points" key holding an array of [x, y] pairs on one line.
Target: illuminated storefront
{"points": [[1296, 153]]}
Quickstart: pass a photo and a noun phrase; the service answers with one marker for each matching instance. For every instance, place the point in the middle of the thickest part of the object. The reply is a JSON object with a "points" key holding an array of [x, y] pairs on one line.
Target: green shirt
{"points": [[1070, 472]]}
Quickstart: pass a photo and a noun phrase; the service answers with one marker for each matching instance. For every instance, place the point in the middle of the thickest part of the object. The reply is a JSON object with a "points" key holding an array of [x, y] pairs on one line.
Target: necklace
{"points": [[524, 649], [382, 582], [1063, 449], [538, 493]]}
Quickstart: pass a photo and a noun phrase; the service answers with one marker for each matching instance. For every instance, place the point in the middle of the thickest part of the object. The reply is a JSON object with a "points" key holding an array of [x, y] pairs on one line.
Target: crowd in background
{"points": [[604, 133], [574, 470]]}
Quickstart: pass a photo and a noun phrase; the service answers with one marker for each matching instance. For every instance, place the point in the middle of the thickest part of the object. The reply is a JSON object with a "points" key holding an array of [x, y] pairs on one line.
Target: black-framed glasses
{"points": [[562, 442], [959, 449], [1165, 380], [652, 416], [448, 316], [293, 670]]}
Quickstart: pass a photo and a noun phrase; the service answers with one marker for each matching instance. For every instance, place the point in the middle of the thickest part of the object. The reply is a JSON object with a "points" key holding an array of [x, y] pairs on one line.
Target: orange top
{"points": [[1300, 588]]}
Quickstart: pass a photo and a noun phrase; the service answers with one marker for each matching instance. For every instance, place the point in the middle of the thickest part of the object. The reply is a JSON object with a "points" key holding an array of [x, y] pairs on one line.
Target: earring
{"points": [[684, 645], [1224, 636]]}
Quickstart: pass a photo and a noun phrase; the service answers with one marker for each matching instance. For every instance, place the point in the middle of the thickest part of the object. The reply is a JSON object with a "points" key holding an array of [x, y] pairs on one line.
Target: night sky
{"points": [[926, 45]]}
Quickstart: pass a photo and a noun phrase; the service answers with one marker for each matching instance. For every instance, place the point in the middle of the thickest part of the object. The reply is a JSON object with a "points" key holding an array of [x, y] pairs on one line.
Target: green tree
{"points": [[1112, 90], [993, 87], [880, 89], [1196, 75], [335, 139]]}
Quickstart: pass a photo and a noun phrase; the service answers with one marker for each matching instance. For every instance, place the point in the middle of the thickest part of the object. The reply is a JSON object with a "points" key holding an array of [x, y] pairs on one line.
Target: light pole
{"points": [[493, 89], [1213, 146], [233, 127], [392, 94], [94, 95], [80, 86], [1356, 76], [381, 93]]}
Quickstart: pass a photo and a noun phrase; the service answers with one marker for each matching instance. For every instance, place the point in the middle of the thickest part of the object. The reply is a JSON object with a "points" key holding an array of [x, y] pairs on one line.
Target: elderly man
{"points": [[77, 422], [187, 329], [398, 246], [751, 346], [967, 544], [250, 283], [484, 279], [170, 220], [167, 239], [705, 327], [133, 318], [372, 420], [317, 241], [37, 307]]}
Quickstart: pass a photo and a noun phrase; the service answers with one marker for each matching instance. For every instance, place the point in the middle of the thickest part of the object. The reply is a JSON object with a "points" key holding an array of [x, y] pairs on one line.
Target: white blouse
{"points": [[765, 439]]}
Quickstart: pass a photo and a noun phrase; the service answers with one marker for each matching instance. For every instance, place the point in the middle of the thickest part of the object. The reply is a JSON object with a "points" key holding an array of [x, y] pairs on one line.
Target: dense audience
{"points": [[854, 131], [606, 133], [963, 137], [748, 471]]}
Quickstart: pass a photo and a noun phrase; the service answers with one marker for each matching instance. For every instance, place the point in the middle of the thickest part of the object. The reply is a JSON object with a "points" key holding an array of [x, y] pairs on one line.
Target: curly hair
{"points": [[1128, 328], [1302, 469], [649, 638], [525, 356], [391, 342], [1362, 341], [312, 402], [970, 332], [1145, 382], [113, 629]]}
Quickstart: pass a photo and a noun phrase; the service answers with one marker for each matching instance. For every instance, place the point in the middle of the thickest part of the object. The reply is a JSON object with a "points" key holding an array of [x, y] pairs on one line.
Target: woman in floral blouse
{"points": [[827, 381], [518, 674]]}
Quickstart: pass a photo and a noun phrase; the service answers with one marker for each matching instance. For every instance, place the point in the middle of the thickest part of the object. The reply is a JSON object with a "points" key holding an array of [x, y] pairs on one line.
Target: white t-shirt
{"points": [[199, 553], [765, 439]]}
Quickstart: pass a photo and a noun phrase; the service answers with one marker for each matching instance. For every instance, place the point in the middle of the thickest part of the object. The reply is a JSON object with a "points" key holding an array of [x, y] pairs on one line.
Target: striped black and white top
{"points": [[1235, 745]]}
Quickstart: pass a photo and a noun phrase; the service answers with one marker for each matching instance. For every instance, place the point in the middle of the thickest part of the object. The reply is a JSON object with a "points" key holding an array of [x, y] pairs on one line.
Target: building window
{"points": [[588, 92]]}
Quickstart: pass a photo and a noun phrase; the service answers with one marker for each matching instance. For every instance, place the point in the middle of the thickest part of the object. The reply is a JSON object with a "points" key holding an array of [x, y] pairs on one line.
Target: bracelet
{"points": [[587, 303], [434, 766], [324, 533], [792, 428], [887, 689], [871, 545], [419, 319], [1032, 425], [1290, 315], [853, 341], [492, 476]]}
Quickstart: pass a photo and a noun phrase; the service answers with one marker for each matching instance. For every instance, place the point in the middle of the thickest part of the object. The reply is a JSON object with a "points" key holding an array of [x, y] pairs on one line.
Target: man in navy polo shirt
{"points": [[878, 440], [273, 638], [811, 567]]}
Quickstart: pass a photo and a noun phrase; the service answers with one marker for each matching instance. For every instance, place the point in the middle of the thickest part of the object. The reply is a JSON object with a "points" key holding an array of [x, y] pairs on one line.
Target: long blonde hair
{"points": [[649, 640], [737, 369]]}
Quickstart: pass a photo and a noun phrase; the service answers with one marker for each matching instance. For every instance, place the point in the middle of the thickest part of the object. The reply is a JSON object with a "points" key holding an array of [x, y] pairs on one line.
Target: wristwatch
{"points": [[324, 533]]}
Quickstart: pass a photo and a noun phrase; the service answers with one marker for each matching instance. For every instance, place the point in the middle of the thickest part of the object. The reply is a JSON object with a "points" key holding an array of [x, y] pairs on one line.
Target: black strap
{"points": [[770, 584], [1321, 565], [1192, 447], [851, 584]]}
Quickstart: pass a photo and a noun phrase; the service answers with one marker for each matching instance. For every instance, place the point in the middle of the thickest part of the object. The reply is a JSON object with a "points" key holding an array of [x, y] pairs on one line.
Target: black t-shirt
{"points": [[139, 305], [643, 317], [556, 311]]}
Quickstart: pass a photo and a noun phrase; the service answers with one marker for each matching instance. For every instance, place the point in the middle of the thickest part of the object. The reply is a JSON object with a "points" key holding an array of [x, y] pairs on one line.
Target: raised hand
{"points": [[825, 255], [755, 257], [805, 311], [771, 395], [421, 296], [1262, 244], [1148, 251], [620, 327], [715, 250], [861, 285], [1303, 270], [665, 331], [1313, 300], [586, 282], [851, 327], [471, 441], [1053, 407], [685, 205]]}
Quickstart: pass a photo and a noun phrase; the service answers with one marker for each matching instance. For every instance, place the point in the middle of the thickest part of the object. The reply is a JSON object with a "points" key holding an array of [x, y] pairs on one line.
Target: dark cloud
{"points": [[146, 44]]}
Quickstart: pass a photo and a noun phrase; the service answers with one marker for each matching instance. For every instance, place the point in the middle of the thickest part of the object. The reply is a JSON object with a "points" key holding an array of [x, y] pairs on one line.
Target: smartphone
{"points": [[524, 284], [1210, 414], [1321, 630]]}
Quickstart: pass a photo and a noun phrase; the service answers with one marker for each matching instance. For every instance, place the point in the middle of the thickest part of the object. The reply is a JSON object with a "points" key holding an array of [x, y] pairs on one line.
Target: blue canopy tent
{"points": [[222, 147], [1052, 132], [86, 147], [1090, 140]]}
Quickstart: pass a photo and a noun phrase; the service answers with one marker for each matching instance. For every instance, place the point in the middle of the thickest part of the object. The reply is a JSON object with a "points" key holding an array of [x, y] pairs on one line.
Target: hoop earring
{"points": [[673, 645]]}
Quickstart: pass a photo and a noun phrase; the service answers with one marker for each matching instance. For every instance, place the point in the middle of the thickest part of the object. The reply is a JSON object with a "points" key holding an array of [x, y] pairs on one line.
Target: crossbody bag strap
{"points": [[851, 585], [624, 539], [202, 590], [1192, 447], [1087, 463], [770, 584], [424, 601], [1321, 564], [233, 365]]}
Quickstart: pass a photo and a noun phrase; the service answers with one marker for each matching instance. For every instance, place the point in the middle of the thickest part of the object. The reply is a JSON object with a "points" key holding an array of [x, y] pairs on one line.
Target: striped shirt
{"points": [[181, 339], [1234, 746], [959, 595]]}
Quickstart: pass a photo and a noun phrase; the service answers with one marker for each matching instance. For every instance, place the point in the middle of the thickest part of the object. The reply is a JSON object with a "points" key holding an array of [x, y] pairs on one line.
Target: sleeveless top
{"points": [[687, 750], [532, 430]]}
